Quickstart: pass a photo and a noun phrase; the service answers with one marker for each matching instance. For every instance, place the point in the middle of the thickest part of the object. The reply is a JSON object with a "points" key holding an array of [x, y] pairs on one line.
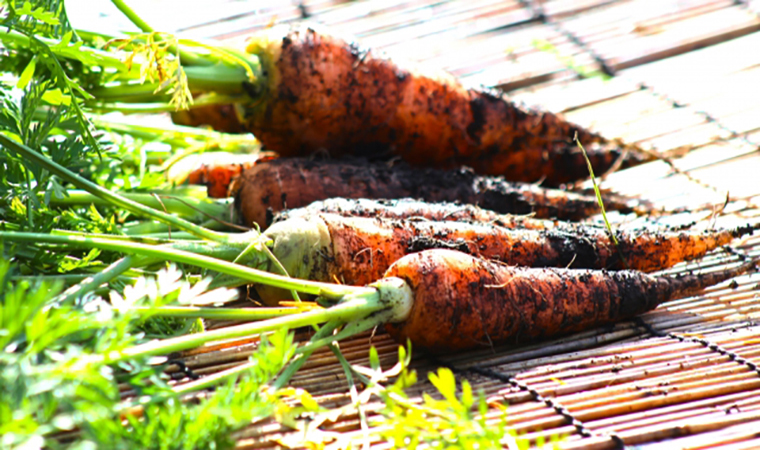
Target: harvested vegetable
{"points": [[218, 175], [57, 340], [460, 301], [411, 209], [322, 92], [219, 117], [217, 178], [358, 250], [271, 186]]}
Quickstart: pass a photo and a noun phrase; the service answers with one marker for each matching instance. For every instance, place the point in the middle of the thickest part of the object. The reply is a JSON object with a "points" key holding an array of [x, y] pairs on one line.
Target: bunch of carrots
{"points": [[475, 255], [433, 220]]}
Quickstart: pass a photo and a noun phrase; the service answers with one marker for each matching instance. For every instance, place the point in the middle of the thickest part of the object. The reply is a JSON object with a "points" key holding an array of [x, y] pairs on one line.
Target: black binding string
{"points": [[183, 372], [540, 16], [561, 410], [709, 118], [701, 341]]}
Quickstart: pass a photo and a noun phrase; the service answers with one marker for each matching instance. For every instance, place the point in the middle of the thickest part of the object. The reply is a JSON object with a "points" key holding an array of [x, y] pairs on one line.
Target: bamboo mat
{"points": [[678, 77]]}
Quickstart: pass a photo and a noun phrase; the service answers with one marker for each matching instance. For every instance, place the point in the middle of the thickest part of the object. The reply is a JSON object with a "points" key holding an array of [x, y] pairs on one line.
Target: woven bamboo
{"points": [[677, 77]]}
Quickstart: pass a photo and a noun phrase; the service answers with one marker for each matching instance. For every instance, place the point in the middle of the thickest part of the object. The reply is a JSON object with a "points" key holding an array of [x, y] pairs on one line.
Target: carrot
{"points": [[460, 301], [271, 186], [219, 117], [218, 177], [411, 209], [357, 250], [324, 93]]}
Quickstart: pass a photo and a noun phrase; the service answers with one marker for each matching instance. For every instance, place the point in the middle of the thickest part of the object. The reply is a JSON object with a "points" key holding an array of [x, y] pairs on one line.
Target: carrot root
{"points": [[462, 302], [272, 186], [322, 92]]}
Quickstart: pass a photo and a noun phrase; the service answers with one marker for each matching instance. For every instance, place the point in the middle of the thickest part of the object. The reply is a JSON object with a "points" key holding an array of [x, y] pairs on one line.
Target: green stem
{"points": [[349, 374], [355, 308], [199, 312], [153, 105], [170, 133], [178, 255], [220, 79], [114, 199], [66, 278], [186, 206], [158, 230], [140, 239], [280, 268], [352, 328], [304, 354], [131, 108], [185, 56], [220, 377], [176, 236], [598, 193], [132, 16]]}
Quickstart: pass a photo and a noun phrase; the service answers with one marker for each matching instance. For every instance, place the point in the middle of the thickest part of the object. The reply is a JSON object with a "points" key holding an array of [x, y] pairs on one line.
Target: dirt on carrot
{"points": [[324, 93], [219, 117], [412, 209], [272, 186], [218, 177], [357, 250], [461, 301]]}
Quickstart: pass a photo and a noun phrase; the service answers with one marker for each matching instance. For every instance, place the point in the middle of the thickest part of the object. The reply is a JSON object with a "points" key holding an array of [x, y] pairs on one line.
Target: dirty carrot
{"points": [[219, 117], [460, 301], [322, 92], [358, 250], [271, 186], [219, 175], [412, 209]]}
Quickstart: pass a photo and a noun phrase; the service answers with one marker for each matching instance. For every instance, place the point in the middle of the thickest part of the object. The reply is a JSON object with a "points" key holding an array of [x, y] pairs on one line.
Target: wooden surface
{"points": [[681, 79]]}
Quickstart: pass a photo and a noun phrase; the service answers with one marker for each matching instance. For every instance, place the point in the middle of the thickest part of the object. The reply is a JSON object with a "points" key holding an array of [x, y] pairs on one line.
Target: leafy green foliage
{"points": [[453, 418], [209, 423], [42, 17], [458, 421], [27, 183], [44, 391], [39, 338]]}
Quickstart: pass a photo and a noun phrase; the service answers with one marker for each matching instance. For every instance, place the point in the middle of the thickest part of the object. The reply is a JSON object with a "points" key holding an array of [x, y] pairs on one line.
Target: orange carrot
{"points": [[326, 93], [459, 301], [411, 209], [217, 177], [219, 117], [271, 186], [357, 250]]}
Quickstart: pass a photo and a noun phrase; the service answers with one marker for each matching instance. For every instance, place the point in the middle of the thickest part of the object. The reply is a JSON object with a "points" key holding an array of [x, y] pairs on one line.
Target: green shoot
{"points": [[115, 199], [601, 202], [132, 16]]}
